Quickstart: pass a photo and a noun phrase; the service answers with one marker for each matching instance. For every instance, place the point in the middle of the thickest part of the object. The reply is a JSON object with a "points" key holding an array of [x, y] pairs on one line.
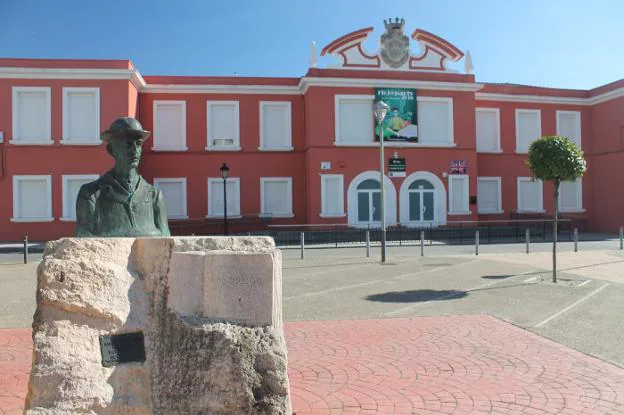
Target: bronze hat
{"points": [[125, 126]]}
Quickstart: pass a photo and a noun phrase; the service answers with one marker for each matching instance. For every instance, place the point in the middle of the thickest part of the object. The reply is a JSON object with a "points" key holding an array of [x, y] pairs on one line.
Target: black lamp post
{"points": [[224, 175]]}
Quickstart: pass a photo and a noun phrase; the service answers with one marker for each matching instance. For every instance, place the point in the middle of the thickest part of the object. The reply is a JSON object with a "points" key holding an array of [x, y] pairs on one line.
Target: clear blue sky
{"points": [[558, 43]]}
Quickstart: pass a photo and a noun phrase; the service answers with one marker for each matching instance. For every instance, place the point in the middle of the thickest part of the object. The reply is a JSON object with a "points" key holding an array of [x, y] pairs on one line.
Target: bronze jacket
{"points": [[105, 208]]}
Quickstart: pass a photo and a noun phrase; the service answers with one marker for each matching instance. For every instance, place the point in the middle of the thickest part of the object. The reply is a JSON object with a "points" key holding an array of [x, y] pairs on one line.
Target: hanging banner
{"points": [[401, 122]]}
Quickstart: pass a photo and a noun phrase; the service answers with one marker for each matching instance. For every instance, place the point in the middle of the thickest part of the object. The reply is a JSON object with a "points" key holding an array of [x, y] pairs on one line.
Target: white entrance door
{"points": [[369, 202]]}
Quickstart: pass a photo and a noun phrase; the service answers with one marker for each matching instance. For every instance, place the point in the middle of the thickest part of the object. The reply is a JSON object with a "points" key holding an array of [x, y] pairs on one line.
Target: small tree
{"points": [[555, 159]]}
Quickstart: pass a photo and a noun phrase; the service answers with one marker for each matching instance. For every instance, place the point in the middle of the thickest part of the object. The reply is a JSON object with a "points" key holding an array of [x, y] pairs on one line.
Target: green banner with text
{"points": [[401, 122]]}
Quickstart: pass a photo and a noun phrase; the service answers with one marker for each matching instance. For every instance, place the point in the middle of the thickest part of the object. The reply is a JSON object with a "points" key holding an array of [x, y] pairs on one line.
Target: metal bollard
{"points": [[25, 249], [302, 242], [477, 242], [422, 243], [575, 240], [621, 237], [527, 237], [367, 243]]}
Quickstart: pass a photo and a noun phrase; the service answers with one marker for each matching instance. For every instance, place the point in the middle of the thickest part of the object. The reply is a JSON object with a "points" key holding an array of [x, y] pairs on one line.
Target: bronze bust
{"points": [[121, 203]]}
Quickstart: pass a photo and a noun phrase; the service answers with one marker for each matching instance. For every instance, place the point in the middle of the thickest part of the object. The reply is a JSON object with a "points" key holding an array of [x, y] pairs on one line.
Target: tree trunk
{"points": [[555, 220]]}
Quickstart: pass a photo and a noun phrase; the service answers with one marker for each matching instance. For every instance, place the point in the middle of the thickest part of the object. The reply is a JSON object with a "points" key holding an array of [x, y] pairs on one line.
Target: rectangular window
{"points": [[71, 187], [489, 195], [530, 195], [174, 196], [276, 196], [435, 120], [32, 199], [81, 116], [569, 125], [215, 197], [354, 119], [571, 196], [458, 194], [32, 119], [169, 126], [223, 125], [528, 128], [488, 130], [332, 195], [275, 125]]}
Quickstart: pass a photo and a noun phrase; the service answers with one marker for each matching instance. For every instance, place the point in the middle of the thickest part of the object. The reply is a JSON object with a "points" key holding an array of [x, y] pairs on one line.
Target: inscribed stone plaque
{"points": [[241, 288], [122, 348]]}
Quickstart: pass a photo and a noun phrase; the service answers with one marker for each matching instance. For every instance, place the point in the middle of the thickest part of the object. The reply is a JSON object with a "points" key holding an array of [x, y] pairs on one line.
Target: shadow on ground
{"points": [[416, 296], [496, 277]]}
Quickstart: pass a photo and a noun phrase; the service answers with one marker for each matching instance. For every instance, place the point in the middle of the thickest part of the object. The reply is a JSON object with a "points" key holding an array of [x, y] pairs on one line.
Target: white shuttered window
{"points": [[81, 116], [354, 119], [276, 196], [32, 199], [31, 115], [489, 195], [435, 120], [71, 187], [488, 130], [530, 195], [458, 194], [332, 195], [569, 125], [215, 197], [169, 126], [571, 196], [528, 128], [275, 126], [223, 125], [174, 196]]}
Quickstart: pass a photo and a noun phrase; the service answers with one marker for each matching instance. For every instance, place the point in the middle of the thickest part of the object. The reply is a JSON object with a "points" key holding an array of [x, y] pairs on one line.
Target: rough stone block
{"points": [[87, 288]]}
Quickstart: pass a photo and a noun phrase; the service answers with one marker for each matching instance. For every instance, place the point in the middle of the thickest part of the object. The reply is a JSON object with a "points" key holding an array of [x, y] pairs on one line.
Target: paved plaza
{"points": [[447, 333]]}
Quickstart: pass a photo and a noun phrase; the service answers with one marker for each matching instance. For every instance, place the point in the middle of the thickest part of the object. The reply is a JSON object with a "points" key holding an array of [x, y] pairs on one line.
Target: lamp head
{"points": [[224, 171], [380, 109]]}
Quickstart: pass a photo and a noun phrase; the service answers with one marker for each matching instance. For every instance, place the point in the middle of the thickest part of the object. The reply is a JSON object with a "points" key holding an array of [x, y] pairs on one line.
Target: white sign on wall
{"points": [[325, 165]]}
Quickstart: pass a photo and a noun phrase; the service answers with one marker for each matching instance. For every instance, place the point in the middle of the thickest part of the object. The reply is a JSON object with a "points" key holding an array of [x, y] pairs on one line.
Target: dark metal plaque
{"points": [[122, 348]]}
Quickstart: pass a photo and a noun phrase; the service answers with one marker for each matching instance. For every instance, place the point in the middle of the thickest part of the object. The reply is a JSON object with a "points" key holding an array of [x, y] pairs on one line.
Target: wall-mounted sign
{"points": [[396, 167], [401, 122], [325, 165], [458, 167]]}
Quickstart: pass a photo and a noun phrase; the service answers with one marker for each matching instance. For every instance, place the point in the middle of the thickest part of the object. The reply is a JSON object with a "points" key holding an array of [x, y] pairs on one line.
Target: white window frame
{"points": [[93, 141], [540, 195], [16, 203], [158, 180], [324, 178], [579, 199], [351, 97], [466, 180], [67, 204], [154, 123], [219, 181], [15, 138], [237, 144], [539, 125], [450, 142], [264, 180], [500, 196], [288, 105], [577, 127], [496, 111]]}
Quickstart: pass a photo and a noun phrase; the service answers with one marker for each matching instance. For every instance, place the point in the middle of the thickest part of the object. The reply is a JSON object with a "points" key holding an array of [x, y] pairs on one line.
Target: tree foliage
{"points": [[556, 159]]}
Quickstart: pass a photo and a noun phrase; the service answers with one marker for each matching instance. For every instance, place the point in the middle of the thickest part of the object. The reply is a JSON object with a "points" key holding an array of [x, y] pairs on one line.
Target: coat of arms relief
{"points": [[394, 44]]}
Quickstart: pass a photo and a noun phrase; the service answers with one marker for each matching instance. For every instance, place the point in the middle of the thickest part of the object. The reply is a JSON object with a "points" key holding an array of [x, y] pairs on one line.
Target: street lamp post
{"points": [[381, 109], [224, 175]]}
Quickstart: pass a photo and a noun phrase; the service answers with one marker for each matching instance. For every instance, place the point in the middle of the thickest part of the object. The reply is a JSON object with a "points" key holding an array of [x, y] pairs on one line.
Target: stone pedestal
{"points": [[209, 310]]}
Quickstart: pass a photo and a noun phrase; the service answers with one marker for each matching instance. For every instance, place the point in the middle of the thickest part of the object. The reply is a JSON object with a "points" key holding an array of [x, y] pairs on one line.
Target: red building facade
{"points": [[302, 150]]}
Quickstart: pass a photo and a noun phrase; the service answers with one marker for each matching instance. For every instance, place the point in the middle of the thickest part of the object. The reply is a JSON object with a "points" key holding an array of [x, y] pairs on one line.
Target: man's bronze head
{"points": [[124, 142]]}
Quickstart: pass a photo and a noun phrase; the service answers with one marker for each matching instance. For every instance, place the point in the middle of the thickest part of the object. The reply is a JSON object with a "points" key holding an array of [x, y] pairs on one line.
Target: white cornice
{"points": [[131, 75], [544, 99], [221, 89], [307, 82]]}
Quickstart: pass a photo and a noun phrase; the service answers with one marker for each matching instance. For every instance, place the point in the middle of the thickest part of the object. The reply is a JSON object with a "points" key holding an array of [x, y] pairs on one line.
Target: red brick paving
{"points": [[429, 365]]}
